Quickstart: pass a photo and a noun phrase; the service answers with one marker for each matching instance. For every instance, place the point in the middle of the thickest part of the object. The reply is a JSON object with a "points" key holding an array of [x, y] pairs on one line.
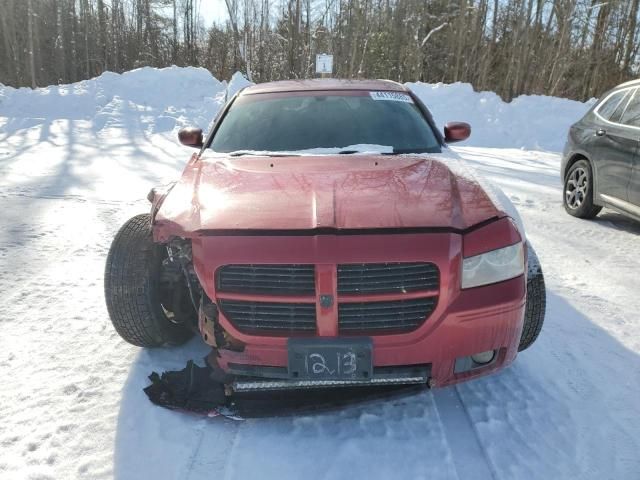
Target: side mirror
{"points": [[191, 137], [456, 131]]}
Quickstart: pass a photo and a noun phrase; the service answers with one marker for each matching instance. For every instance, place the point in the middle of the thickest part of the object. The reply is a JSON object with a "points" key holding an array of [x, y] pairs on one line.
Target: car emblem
{"points": [[326, 301]]}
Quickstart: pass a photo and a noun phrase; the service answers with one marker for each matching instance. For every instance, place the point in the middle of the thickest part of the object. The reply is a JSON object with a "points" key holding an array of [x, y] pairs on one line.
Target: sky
{"points": [[213, 11]]}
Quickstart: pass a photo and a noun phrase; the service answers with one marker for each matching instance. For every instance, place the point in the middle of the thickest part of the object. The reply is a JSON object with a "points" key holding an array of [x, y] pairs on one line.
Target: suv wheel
{"points": [[578, 191], [132, 288]]}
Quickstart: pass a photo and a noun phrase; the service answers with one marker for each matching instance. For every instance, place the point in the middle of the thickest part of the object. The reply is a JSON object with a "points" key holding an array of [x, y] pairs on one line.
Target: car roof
{"points": [[630, 83], [321, 84]]}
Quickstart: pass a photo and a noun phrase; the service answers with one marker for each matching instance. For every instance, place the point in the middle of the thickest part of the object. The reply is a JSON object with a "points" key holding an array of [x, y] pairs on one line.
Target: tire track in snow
{"points": [[196, 450], [214, 450], [469, 456]]}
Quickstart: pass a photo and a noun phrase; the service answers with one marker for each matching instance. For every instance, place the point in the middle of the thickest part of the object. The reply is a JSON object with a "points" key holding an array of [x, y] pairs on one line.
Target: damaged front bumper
{"points": [[463, 323], [246, 381]]}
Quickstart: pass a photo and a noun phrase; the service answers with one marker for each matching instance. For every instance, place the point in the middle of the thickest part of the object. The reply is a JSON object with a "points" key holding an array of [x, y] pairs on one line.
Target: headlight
{"points": [[492, 267]]}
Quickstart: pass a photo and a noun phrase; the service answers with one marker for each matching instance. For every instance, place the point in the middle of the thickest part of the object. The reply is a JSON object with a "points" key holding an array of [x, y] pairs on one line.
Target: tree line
{"points": [[571, 48]]}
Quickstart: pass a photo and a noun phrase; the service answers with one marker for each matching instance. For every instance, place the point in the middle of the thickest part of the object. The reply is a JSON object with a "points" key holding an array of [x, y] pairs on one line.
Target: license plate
{"points": [[331, 359]]}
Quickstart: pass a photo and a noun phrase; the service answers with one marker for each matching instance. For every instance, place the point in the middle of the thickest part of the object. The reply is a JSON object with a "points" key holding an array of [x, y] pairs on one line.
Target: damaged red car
{"points": [[324, 234]]}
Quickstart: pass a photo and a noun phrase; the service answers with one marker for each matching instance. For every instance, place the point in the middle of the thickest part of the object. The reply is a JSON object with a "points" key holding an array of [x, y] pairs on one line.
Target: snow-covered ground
{"points": [[77, 161]]}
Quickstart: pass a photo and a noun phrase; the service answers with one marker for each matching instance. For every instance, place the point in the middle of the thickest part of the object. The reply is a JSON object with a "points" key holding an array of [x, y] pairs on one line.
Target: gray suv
{"points": [[601, 162]]}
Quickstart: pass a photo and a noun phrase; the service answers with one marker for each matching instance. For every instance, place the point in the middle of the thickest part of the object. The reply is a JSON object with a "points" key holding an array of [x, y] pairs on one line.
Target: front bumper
{"points": [[464, 322]]}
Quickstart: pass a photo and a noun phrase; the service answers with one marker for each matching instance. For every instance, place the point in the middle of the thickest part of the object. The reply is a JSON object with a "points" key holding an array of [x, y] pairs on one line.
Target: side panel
{"points": [[615, 143], [581, 144], [614, 150], [633, 190]]}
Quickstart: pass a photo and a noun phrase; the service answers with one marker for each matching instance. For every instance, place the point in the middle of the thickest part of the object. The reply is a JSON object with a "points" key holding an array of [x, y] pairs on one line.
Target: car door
{"points": [[615, 146], [633, 190], [631, 118]]}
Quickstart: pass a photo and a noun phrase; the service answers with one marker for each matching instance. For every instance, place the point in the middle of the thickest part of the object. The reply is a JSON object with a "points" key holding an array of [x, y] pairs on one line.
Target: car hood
{"points": [[322, 192]]}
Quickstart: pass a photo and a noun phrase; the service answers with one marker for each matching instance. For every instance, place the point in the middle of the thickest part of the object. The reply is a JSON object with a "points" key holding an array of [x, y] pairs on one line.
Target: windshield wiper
{"points": [[240, 153], [402, 151]]}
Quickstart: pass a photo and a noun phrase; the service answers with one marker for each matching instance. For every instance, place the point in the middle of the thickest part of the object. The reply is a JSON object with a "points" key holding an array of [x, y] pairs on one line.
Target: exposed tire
{"points": [[536, 302], [132, 290], [577, 192]]}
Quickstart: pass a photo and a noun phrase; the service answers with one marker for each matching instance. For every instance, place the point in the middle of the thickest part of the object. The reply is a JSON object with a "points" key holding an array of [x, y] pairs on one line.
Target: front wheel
{"points": [[578, 191], [536, 302], [132, 288]]}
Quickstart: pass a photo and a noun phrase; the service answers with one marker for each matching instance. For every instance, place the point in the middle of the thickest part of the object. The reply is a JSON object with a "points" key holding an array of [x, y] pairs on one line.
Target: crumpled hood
{"points": [[322, 192]]}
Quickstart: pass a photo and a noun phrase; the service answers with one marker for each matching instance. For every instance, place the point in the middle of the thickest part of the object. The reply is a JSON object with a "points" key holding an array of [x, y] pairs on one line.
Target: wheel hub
{"points": [[576, 188]]}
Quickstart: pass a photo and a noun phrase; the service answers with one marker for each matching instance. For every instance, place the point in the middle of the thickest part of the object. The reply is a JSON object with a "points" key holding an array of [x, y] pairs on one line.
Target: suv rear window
{"points": [[617, 113], [606, 109], [631, 115], [294, 122]]}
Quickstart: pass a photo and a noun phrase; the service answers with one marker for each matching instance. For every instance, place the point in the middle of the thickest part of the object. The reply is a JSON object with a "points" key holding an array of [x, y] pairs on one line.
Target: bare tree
{"points": [[30, 34], [572, 48]]}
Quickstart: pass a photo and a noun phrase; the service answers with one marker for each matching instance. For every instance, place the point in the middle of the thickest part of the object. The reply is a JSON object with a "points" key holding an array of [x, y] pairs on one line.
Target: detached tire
{"points": [[131, 288], [536, 302]]}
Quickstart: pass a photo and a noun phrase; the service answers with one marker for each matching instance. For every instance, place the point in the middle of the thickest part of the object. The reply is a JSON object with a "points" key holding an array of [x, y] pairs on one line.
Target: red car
{"points": [[325, 235]]}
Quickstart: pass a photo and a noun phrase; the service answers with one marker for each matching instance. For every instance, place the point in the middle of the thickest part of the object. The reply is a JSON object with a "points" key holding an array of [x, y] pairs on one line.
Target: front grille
{"points": [[277, 318], [397, 316], [387, 277], [290, 279]]}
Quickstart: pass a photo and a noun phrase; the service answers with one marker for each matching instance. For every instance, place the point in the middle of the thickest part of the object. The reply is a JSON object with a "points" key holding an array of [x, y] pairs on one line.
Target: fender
{"points": [[156, 196]]}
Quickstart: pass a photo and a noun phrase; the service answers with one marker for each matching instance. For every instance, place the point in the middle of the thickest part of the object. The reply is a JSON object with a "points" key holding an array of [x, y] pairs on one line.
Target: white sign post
{"points": [[324, 64]]}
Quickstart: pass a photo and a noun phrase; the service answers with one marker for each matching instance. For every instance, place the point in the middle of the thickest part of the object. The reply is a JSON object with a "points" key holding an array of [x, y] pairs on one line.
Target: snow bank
{"points": [[157, 100], [161, 100], [533, 122], [238, 82]]}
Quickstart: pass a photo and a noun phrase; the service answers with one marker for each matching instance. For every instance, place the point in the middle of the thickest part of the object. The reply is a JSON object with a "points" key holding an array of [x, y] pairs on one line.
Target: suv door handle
{"points": [[601, 132]]}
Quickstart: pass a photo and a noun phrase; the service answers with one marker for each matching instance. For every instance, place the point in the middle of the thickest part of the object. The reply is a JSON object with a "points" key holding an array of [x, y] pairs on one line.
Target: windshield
{"points": [[319, 120]]}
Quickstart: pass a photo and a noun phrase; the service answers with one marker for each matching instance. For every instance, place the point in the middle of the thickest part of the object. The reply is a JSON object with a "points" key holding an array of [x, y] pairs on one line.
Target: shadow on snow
{"points": [[546, 416]]}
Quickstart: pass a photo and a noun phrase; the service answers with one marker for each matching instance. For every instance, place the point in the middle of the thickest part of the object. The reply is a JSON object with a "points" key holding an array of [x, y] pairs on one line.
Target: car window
{"points": [[325, 120], [631, 115], [606, 109], [617, 113]]}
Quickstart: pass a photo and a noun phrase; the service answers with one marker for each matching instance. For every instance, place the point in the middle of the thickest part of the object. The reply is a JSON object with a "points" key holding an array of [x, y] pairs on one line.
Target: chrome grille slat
{"points": [[394, 315], [381, 322], [387, 277], [274, 317], [351, 281], [385, 273], [384, 266], [293, 279], [382, 276], [267, 308], [373, 318], [386, 280], [243, 286], [248, 321], [269, 315], [269, 267], [268, 276], [375, 307], [377, 327], [382, 288], [368, 310], [238, 315], [269, 273], [264, 326]]}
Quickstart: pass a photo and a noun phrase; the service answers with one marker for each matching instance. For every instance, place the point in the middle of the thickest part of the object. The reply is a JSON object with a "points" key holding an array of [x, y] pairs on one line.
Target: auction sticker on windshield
{"points": [[392, 96]]}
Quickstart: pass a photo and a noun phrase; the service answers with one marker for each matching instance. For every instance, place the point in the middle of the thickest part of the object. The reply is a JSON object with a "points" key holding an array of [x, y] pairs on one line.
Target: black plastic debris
{"points": [[193, 389], [201, 390]]}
